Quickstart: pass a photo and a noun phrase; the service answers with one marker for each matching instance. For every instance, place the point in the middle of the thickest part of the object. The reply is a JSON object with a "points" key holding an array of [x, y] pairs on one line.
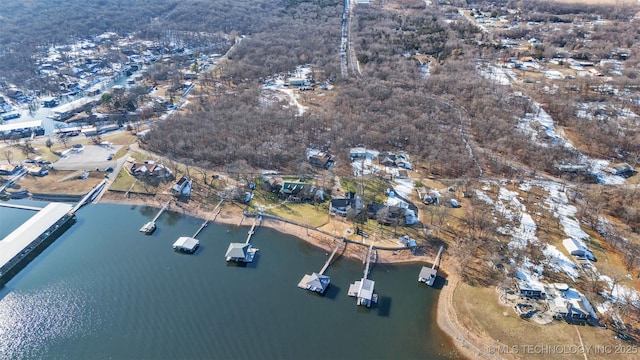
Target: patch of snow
{"points": [[559, 262], [494, 74]]}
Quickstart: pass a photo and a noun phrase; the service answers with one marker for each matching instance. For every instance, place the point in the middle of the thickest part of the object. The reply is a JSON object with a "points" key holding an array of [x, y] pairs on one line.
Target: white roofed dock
{"points": [[42, 226]]}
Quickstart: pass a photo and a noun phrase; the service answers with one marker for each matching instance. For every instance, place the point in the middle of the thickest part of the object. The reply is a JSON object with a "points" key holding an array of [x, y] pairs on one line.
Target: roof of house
{"points": [[573, 246], [237, 250], [341, 203]]}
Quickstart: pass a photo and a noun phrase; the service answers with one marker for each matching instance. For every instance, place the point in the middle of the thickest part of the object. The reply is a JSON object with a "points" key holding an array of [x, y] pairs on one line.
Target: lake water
{"points": [[103, 290]]}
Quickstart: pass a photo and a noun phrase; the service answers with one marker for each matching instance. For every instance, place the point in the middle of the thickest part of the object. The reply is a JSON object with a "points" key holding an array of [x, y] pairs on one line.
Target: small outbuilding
{"points": [[575, 248]]}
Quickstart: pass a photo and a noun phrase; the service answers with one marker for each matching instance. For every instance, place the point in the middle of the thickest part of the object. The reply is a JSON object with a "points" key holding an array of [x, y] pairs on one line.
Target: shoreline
{"points": [[446, 316]]}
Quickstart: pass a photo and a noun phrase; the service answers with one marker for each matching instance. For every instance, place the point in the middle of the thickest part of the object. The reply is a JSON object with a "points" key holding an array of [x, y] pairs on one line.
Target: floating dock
{"points": [[150, 227], [319, 282], [428, 275], [363, 290]]}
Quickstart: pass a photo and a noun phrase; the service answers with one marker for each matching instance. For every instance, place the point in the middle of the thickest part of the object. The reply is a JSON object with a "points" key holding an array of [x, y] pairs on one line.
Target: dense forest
{"points": [[392, 106]]}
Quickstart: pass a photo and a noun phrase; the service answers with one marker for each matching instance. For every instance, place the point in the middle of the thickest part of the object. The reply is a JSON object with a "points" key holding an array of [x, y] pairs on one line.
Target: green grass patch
{"points": [[374, 188], [306, 214], [123, 181]]}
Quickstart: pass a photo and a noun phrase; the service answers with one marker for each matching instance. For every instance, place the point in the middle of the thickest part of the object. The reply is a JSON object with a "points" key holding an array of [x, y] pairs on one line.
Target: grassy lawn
{"points": [[314, 216], [374, 188], [479, 310]]}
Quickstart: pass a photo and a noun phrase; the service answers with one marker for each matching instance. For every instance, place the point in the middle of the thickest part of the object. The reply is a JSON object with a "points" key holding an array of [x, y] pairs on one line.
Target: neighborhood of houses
{"points": [[94, 71]]}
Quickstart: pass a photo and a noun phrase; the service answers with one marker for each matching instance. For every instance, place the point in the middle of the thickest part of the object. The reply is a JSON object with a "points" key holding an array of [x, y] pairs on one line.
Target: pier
{"points": [[319, 282], [187, 244], [428, 275], [150, 227], [89, 196], [256, 222], [21, 207], [212, 217], [363, 289]]}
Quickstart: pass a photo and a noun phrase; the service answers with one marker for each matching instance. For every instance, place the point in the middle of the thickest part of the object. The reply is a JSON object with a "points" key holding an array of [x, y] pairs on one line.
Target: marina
{"points": [[363, 290], [428, 275], [150, 227], [319, 282]]}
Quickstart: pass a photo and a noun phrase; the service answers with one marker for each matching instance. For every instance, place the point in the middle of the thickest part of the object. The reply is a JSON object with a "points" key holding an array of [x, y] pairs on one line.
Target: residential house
{"points": [[624, 170], [372, 210], [357, 153], [575, 248], [50, 102], [149, 168], [190, 75], [531, 290], [321, 159], [271, 185], [10, 169], [569, 304], [340, 206], [183, 186], [38, 171], [297, 191]]}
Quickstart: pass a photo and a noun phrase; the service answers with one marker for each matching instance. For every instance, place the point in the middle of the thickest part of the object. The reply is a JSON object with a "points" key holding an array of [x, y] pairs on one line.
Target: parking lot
{"points": [[88, 158]]}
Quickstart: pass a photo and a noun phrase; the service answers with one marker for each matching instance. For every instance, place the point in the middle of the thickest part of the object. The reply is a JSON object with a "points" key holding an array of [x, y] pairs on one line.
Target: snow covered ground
{"points": [[508, 205]]}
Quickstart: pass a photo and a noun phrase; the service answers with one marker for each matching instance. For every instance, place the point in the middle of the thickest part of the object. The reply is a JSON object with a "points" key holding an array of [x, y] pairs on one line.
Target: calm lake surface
{"points": [[103, 290]]}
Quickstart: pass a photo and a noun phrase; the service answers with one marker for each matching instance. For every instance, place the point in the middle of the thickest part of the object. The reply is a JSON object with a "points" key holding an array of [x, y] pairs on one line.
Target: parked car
{"points": [[110, 157]]}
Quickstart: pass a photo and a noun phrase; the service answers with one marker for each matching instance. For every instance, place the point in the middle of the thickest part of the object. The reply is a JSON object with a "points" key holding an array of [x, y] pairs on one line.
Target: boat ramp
{"points": [[319, 282], [150, 227], [363, 289], [428, 275], [244, 252]]}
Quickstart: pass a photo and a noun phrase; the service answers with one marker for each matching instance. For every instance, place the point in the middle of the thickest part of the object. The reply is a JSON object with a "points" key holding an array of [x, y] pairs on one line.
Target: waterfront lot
{"points": [[59, 182]]}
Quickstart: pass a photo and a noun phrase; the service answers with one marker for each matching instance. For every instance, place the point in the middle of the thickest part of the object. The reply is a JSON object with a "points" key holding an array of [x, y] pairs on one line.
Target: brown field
{"points": [[599, 2], [59, 182], [480, 312]]}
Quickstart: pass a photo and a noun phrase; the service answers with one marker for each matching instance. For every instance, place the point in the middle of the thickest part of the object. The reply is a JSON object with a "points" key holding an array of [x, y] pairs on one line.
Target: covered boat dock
{"points": [[42, 228]]}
